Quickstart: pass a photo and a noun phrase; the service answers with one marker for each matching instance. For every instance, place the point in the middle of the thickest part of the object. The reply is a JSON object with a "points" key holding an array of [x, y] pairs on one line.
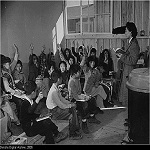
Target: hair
{"points": [[132, 28], [20, 62], [29, 87], [102, 54], [67, 49], [73, 59], [74, 69], [4, 60], [90, 58], [63, 62], [93, 50], [55, 76]]}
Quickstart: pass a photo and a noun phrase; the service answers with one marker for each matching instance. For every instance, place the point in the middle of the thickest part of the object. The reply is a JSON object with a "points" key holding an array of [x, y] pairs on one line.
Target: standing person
{"points": [[61, 108], [28, 118], [86, 109], [19, 76], [34, 70], [128, 60]]}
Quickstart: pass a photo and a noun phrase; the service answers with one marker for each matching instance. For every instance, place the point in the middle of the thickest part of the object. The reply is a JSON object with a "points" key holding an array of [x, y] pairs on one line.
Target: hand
{"points": [[40, 96], [58, 46], [18, 93], [73, 105], [16, 81], [16, 48]]}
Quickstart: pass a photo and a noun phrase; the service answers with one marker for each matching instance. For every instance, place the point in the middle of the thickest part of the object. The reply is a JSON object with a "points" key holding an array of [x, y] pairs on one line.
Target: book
{"points": [[42, 118]]}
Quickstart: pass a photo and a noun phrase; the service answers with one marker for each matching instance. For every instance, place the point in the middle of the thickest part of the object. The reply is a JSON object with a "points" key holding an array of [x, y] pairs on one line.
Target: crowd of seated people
{"points": [[44, 77]]}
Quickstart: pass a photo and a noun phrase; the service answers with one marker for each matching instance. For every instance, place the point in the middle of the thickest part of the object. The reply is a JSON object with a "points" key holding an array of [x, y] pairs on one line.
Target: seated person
{"points": [[60, 108], [9, 85], [34, 66], [41, 87], [92, 81], [87, 110], [19, 76], [106, 62], [7, 107], [28, 118], [64, 72]]}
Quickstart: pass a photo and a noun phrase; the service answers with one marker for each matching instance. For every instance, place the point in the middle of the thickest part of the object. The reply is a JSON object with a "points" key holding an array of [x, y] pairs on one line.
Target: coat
{"points": [[129, 60]]}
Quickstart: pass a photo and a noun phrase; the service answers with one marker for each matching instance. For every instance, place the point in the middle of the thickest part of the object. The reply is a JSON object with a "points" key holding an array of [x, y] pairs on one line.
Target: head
{"points": [[56, 78], [80, 50], [38, 81], [91, 62], [93, 52], [131, 30], [5, 62], [67, 53], [71, 60], [51, 67], [62, 66], [19, 66], [30, 88], [75, 70], [106, 54], [35, 59]]}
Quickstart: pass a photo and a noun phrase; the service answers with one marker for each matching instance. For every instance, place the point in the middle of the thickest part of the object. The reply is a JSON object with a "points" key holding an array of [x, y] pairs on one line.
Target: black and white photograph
{"points": [[74, 72]]}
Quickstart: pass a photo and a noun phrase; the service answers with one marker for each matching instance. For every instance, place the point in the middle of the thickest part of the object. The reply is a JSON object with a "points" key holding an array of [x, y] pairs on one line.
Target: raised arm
{"points": [[16, 57]]}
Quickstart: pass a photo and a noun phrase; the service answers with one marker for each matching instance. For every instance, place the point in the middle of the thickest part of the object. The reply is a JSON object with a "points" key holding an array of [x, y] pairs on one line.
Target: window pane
{"points": [[71, 3], [91, 24], [74, 26], [85, 24], [73, 19]]}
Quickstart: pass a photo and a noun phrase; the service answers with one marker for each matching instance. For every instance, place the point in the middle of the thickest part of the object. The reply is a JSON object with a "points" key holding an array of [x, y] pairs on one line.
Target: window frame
{"points": [[81, 22]]}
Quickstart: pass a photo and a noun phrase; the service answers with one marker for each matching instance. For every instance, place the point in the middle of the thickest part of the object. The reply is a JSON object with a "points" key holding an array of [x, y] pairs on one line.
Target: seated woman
{"points": [[106, 63], [19, 76], [41, 87], [92, 81], [33, 127], [34, 68], [64, 73], [8, 81]]}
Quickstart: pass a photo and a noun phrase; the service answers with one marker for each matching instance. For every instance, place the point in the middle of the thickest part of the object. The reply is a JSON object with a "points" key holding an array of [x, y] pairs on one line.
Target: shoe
{"points": [[85, 128], [61, 136], [93, 120], [76, 137], [98, 110]]}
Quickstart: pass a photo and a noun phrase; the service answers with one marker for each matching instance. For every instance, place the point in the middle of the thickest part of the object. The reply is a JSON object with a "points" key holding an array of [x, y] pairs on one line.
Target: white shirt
{"points": [[54, 99]]}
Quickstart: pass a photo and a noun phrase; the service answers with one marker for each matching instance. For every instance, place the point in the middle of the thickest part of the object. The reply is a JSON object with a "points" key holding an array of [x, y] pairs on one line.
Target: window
{"points": [[88, 16]]}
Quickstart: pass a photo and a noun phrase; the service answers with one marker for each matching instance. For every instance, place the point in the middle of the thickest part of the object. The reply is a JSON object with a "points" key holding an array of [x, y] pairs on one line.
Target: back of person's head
{"points": [[132, 28], [74, 69], [29, 87], [55, 76]]}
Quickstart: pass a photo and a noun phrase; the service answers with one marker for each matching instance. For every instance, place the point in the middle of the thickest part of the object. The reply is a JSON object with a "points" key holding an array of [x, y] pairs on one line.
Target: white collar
{"points": [[29, 100], [130, 39]]}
